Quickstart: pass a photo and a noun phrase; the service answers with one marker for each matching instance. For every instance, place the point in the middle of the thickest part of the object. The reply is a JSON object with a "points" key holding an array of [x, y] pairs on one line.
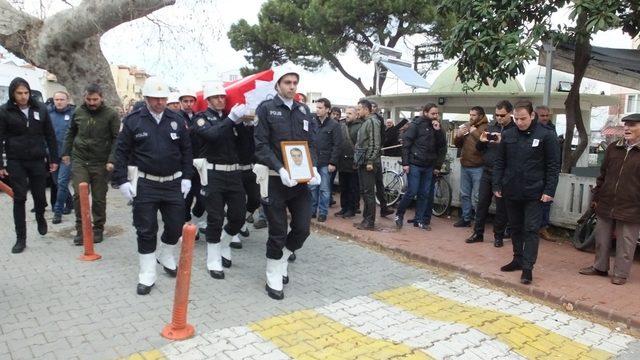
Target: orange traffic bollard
{"points": [[87, 232], [6, 189], [179, 329]]}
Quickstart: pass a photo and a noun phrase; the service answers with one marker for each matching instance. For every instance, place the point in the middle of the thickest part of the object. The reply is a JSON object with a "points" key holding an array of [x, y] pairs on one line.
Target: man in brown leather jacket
{"points": [[616, 199]]}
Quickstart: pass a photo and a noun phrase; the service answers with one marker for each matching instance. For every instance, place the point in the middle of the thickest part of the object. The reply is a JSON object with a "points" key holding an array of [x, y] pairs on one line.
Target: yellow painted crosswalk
{"points": [[427, 320], [309, 335], [523, 337]]}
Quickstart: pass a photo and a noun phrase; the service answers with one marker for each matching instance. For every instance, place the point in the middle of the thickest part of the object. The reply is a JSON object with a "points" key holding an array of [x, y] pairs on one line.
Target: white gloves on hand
{"points": [[286, 179], [127, 191], [316, 179], [185, 187], [238, 111]]}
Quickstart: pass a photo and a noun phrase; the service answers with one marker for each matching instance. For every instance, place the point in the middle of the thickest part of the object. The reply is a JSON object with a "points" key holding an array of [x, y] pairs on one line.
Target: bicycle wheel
{"points": [[393, 185], [441, 197]]}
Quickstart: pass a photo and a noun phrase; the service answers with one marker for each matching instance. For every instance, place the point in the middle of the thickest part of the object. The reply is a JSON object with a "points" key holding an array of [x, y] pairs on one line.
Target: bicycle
{"points": [[395, 187]]}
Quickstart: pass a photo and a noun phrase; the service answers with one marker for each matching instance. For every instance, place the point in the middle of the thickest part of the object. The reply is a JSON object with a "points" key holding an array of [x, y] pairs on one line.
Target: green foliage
{"points": [[312, 33], [493, 39]]}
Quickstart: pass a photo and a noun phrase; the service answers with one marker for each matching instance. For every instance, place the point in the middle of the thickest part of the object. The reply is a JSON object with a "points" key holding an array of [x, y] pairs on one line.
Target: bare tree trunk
{"points": [[68, 43], [582, 55]]}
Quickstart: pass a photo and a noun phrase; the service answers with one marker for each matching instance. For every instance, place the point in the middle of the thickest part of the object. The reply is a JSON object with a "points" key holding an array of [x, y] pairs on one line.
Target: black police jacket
{"points": [[24, 138], [276, 123], [218, 137], [489, 150], [328, 140], [421, 143], [527, 164], [156, 149], [195, 140], [246, 144]]}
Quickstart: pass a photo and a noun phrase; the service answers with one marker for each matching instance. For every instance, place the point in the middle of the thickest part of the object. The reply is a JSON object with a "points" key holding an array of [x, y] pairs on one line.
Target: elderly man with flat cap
{"points": [[616, 199]]}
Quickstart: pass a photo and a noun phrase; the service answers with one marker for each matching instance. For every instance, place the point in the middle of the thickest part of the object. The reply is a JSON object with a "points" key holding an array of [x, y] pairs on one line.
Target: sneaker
{"points": [[348, 215], [475, 238], [422, 226], [67, 210], [498, 242], [322, 218], [77, 240], [462, 223], [398, 220], [97, 236], [340, 213], [313, 216], [57, 218]]}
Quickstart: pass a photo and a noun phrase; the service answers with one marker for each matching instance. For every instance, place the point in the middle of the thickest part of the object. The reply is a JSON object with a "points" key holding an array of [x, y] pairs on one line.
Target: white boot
{"points": [[166, 258], [236, 243], [284, 263], [214, 261], [147, 275], [225, 249], [274, 279]]}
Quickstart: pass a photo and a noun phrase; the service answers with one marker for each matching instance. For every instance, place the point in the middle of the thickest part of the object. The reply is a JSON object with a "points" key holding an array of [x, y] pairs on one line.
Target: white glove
{"points": [[185, 186], [127, 191], [316, 179], [238, 111], [286, 180]]}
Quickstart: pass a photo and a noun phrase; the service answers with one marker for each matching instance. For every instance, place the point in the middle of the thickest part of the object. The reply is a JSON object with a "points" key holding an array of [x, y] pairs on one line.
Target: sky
{"points": [[197, 48]]}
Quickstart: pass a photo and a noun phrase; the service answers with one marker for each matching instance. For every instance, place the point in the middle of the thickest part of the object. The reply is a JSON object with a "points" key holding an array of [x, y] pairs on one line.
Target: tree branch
{"points": [[336, 63], [95, 17], [14, 28]]}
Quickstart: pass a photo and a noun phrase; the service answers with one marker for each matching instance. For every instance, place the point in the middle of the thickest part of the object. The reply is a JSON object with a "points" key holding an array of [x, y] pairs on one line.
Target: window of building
{"points": [[633, 104]]}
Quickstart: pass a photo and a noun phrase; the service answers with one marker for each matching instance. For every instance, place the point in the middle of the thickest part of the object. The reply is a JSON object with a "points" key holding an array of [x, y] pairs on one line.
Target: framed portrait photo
{"points": [[297, 160]]}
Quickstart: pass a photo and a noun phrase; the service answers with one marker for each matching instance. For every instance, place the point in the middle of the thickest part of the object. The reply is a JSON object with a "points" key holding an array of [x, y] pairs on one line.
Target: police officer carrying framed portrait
{"points": [[282, 119], [153, 169]]}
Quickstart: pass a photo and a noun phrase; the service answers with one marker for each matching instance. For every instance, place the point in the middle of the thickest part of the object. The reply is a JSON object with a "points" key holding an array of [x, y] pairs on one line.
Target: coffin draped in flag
{"points": [[251, 90]]}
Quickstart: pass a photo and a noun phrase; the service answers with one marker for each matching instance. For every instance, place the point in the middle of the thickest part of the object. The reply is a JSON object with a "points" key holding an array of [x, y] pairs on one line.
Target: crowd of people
{"points": [[227, 166]]}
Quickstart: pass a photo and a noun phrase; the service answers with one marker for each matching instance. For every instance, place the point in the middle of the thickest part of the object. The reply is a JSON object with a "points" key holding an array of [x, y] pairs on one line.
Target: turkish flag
{"points": [[251, 90]]}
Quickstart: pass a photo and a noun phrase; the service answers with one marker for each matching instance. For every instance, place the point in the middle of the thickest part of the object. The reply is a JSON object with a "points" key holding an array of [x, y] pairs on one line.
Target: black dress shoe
{"points": [[285, 279], [274, 294], [235, 245], [292, 257], [322, 218], [498, 242], [19, 246], [349, 215], [226, 263], [77, 240], [385, 211], [364, 226], [260, 224], [216, 274], [475, 238], [399, 222], [42, 224], [249, 219], [97, 236], [340, 213], [512, 266], [170, 272], [57, 219], [142, 289], [462, 223], [244, 233], [526, 277]]}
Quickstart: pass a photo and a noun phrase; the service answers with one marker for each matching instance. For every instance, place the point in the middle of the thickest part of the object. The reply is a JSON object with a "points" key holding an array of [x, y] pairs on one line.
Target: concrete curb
{"points": [[586, 306]]}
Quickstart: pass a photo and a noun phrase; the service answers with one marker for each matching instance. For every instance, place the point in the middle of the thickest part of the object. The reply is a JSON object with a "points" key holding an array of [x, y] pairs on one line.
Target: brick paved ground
{"points": [[555, 276], [342, 297]]}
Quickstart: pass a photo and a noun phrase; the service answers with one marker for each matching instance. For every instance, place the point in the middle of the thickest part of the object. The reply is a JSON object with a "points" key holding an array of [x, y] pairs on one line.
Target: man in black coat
{"points": [[526, 174], [28, 139]]}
